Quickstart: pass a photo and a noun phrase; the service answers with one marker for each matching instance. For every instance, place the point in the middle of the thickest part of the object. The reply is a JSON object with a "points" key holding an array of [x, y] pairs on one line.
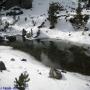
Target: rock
{"points": [[12, 59], [69, 34], [54, 73], [2, 66], [89, 34], [24, 60], [40, 73]]}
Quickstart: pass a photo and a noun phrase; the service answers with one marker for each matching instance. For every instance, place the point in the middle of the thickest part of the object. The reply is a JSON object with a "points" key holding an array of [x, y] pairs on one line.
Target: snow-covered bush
{"points": [[21, 83], [54, 9]]}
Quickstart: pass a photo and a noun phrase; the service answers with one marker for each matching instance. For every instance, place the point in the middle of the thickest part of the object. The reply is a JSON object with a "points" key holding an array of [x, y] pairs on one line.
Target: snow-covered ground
{"points": [[37, 81]]}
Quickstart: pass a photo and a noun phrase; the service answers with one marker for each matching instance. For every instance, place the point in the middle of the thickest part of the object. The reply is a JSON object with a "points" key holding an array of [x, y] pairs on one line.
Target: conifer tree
{"points": [[79, 21], [54, 8], [21, 83]]}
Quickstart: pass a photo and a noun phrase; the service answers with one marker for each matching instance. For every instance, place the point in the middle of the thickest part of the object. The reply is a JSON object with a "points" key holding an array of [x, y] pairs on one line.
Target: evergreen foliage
{"points": [[79, 21], [21, 83], [54, 9]]}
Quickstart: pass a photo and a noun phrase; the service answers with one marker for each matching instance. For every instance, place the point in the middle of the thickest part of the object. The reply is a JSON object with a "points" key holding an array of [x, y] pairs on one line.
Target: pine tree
{"points": [[21, 83], [79, 16], [54, 8], [79, 21]]}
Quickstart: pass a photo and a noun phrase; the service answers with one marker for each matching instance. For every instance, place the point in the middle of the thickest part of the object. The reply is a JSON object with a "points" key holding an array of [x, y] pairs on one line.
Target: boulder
{"points": [[12, 59], [54, 73], [2, 66]]}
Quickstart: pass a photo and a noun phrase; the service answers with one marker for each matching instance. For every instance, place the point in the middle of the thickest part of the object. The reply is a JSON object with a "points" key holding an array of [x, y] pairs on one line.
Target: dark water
{"points": [[56, 53]]}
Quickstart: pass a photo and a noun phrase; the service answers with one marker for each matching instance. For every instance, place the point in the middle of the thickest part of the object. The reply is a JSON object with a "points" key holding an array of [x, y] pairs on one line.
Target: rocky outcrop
{"points": [[22, 3]]}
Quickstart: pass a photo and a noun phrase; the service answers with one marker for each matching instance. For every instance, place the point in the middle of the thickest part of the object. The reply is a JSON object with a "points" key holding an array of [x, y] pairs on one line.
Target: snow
{"points": [[33, 67]]}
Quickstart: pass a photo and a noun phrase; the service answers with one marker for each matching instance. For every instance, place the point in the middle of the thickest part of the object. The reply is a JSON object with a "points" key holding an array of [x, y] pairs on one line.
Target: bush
{"points": [[11, 38], [79, 21], [21, 83], [54, 9]]}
